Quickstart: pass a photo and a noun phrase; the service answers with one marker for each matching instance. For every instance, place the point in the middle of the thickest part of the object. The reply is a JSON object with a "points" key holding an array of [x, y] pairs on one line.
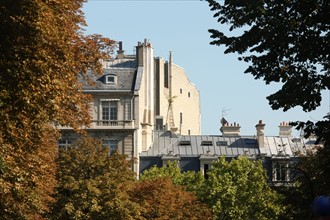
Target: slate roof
{"points": [[229, 146], [123, 69]]}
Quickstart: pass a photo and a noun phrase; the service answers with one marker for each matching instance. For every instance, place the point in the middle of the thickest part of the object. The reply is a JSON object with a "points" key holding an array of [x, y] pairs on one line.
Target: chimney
{"points": [[230, 130], [260, 134], [285, 129], [120, 52]]}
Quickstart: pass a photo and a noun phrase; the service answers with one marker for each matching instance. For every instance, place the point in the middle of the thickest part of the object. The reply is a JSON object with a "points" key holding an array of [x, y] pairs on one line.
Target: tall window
{"points": [[111, 144], [128, 110], [109, 110], [281, 171]]}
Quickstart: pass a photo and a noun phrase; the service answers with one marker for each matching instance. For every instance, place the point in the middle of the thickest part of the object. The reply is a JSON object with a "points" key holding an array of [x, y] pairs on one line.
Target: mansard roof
{"points": [[124, 71], [166, 143]]}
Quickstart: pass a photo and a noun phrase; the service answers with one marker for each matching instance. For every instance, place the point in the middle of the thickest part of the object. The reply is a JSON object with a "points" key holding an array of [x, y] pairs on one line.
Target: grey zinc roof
{"points": [[123, 69], [229, 146], [196, 145], [125, 80], [287, 146]]}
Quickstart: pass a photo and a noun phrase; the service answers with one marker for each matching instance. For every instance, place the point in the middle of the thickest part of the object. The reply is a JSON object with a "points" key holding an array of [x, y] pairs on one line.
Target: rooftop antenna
{"points": [[223, 121], [224, 112]]}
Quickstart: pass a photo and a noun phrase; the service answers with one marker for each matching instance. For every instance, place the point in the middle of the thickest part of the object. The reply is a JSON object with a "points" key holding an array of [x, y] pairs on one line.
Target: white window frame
{"points": [[102, 116], [113, 77]]}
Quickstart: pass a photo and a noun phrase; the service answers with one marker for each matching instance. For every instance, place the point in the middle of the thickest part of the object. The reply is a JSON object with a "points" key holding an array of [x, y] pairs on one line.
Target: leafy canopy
{"points": [[239, 190], [161, 199], [285, 41], [92, 184], [233, 190], [43, 51]]}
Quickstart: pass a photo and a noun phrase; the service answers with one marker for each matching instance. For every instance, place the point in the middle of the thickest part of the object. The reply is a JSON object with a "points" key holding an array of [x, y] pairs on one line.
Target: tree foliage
{"points": [[239, 190], [285, 41], [161, 199], [191, 181], [233, 190], [27, 179], [43, 51], [92, 184], [288, 42]]}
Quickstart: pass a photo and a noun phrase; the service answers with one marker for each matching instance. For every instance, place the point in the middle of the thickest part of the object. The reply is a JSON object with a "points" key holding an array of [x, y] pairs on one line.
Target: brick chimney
{"points": [[261, 134], [285, 129], [230, 130], [120, 52]]}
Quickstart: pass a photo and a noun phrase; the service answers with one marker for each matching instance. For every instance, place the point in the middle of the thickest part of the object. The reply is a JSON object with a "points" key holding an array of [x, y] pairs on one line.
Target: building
{"points": [[197, 152], [137, 95]]}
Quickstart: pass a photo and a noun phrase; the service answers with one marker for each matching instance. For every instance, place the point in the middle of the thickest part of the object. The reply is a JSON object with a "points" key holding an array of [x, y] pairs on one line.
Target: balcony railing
{"points": [[112, 124], [107, 124]]}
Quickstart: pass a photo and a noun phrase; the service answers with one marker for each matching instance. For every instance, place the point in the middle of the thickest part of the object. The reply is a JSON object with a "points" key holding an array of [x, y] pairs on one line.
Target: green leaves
{"points": [[93, 185], [233, 190], [282, 41], [239, 190]]}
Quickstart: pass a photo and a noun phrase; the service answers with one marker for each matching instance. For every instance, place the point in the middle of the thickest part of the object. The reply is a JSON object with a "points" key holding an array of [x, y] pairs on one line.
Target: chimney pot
{"points": [[260, 122]]}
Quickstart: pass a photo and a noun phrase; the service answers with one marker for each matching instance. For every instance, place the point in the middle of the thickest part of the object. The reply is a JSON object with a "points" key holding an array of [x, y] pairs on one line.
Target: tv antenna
{"points": [[224, 112]]}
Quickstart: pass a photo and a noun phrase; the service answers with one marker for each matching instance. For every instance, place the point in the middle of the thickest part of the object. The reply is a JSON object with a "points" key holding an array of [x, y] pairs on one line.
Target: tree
{"points": [[191, 181], [239, 190], [27, 179], [283, 41], [161, 199], [43, 51], [286, 42], [92, 184]]}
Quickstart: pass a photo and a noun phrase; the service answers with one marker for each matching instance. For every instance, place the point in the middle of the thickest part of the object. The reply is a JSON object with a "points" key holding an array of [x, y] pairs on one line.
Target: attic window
{"points": [[207, 143], [184, 143], [296, 140], [110, 79], [222, 143]]}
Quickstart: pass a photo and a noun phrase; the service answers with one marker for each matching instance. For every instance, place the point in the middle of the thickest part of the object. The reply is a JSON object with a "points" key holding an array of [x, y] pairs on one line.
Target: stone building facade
{"points": [[136, 96]]}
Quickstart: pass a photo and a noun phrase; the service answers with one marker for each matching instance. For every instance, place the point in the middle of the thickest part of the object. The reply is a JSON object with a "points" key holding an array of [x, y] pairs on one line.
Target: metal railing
{"points": [[112, 124]]}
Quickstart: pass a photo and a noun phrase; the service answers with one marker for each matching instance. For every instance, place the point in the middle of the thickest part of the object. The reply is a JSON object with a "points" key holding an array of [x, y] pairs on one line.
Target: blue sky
{"points": [[181, 26]]}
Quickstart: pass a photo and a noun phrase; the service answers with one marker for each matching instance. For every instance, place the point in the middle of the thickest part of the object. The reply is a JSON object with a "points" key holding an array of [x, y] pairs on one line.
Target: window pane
{"points": [[112, 145], [105, 110], [113, 111], [128, 110]]}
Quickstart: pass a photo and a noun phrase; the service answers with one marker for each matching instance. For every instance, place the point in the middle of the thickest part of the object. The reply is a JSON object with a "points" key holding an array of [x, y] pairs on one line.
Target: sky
{"points": [[182, 26]]}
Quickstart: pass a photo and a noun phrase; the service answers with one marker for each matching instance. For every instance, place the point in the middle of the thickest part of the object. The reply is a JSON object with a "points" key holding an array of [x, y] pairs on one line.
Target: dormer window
{"points": [[110, 79]]}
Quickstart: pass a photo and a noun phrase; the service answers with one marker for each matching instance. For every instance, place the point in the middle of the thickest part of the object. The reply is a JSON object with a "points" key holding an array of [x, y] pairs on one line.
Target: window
{"points": [[206, 169], [111, 144], [222, 143], [110, 79], [281, 171], [180, 117], [180, 91], [207, 143], [189, 94], [166, 75], [109, 111], [188, 131], [64, 143], [128, 110], [183, 143], [296, 140]]}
